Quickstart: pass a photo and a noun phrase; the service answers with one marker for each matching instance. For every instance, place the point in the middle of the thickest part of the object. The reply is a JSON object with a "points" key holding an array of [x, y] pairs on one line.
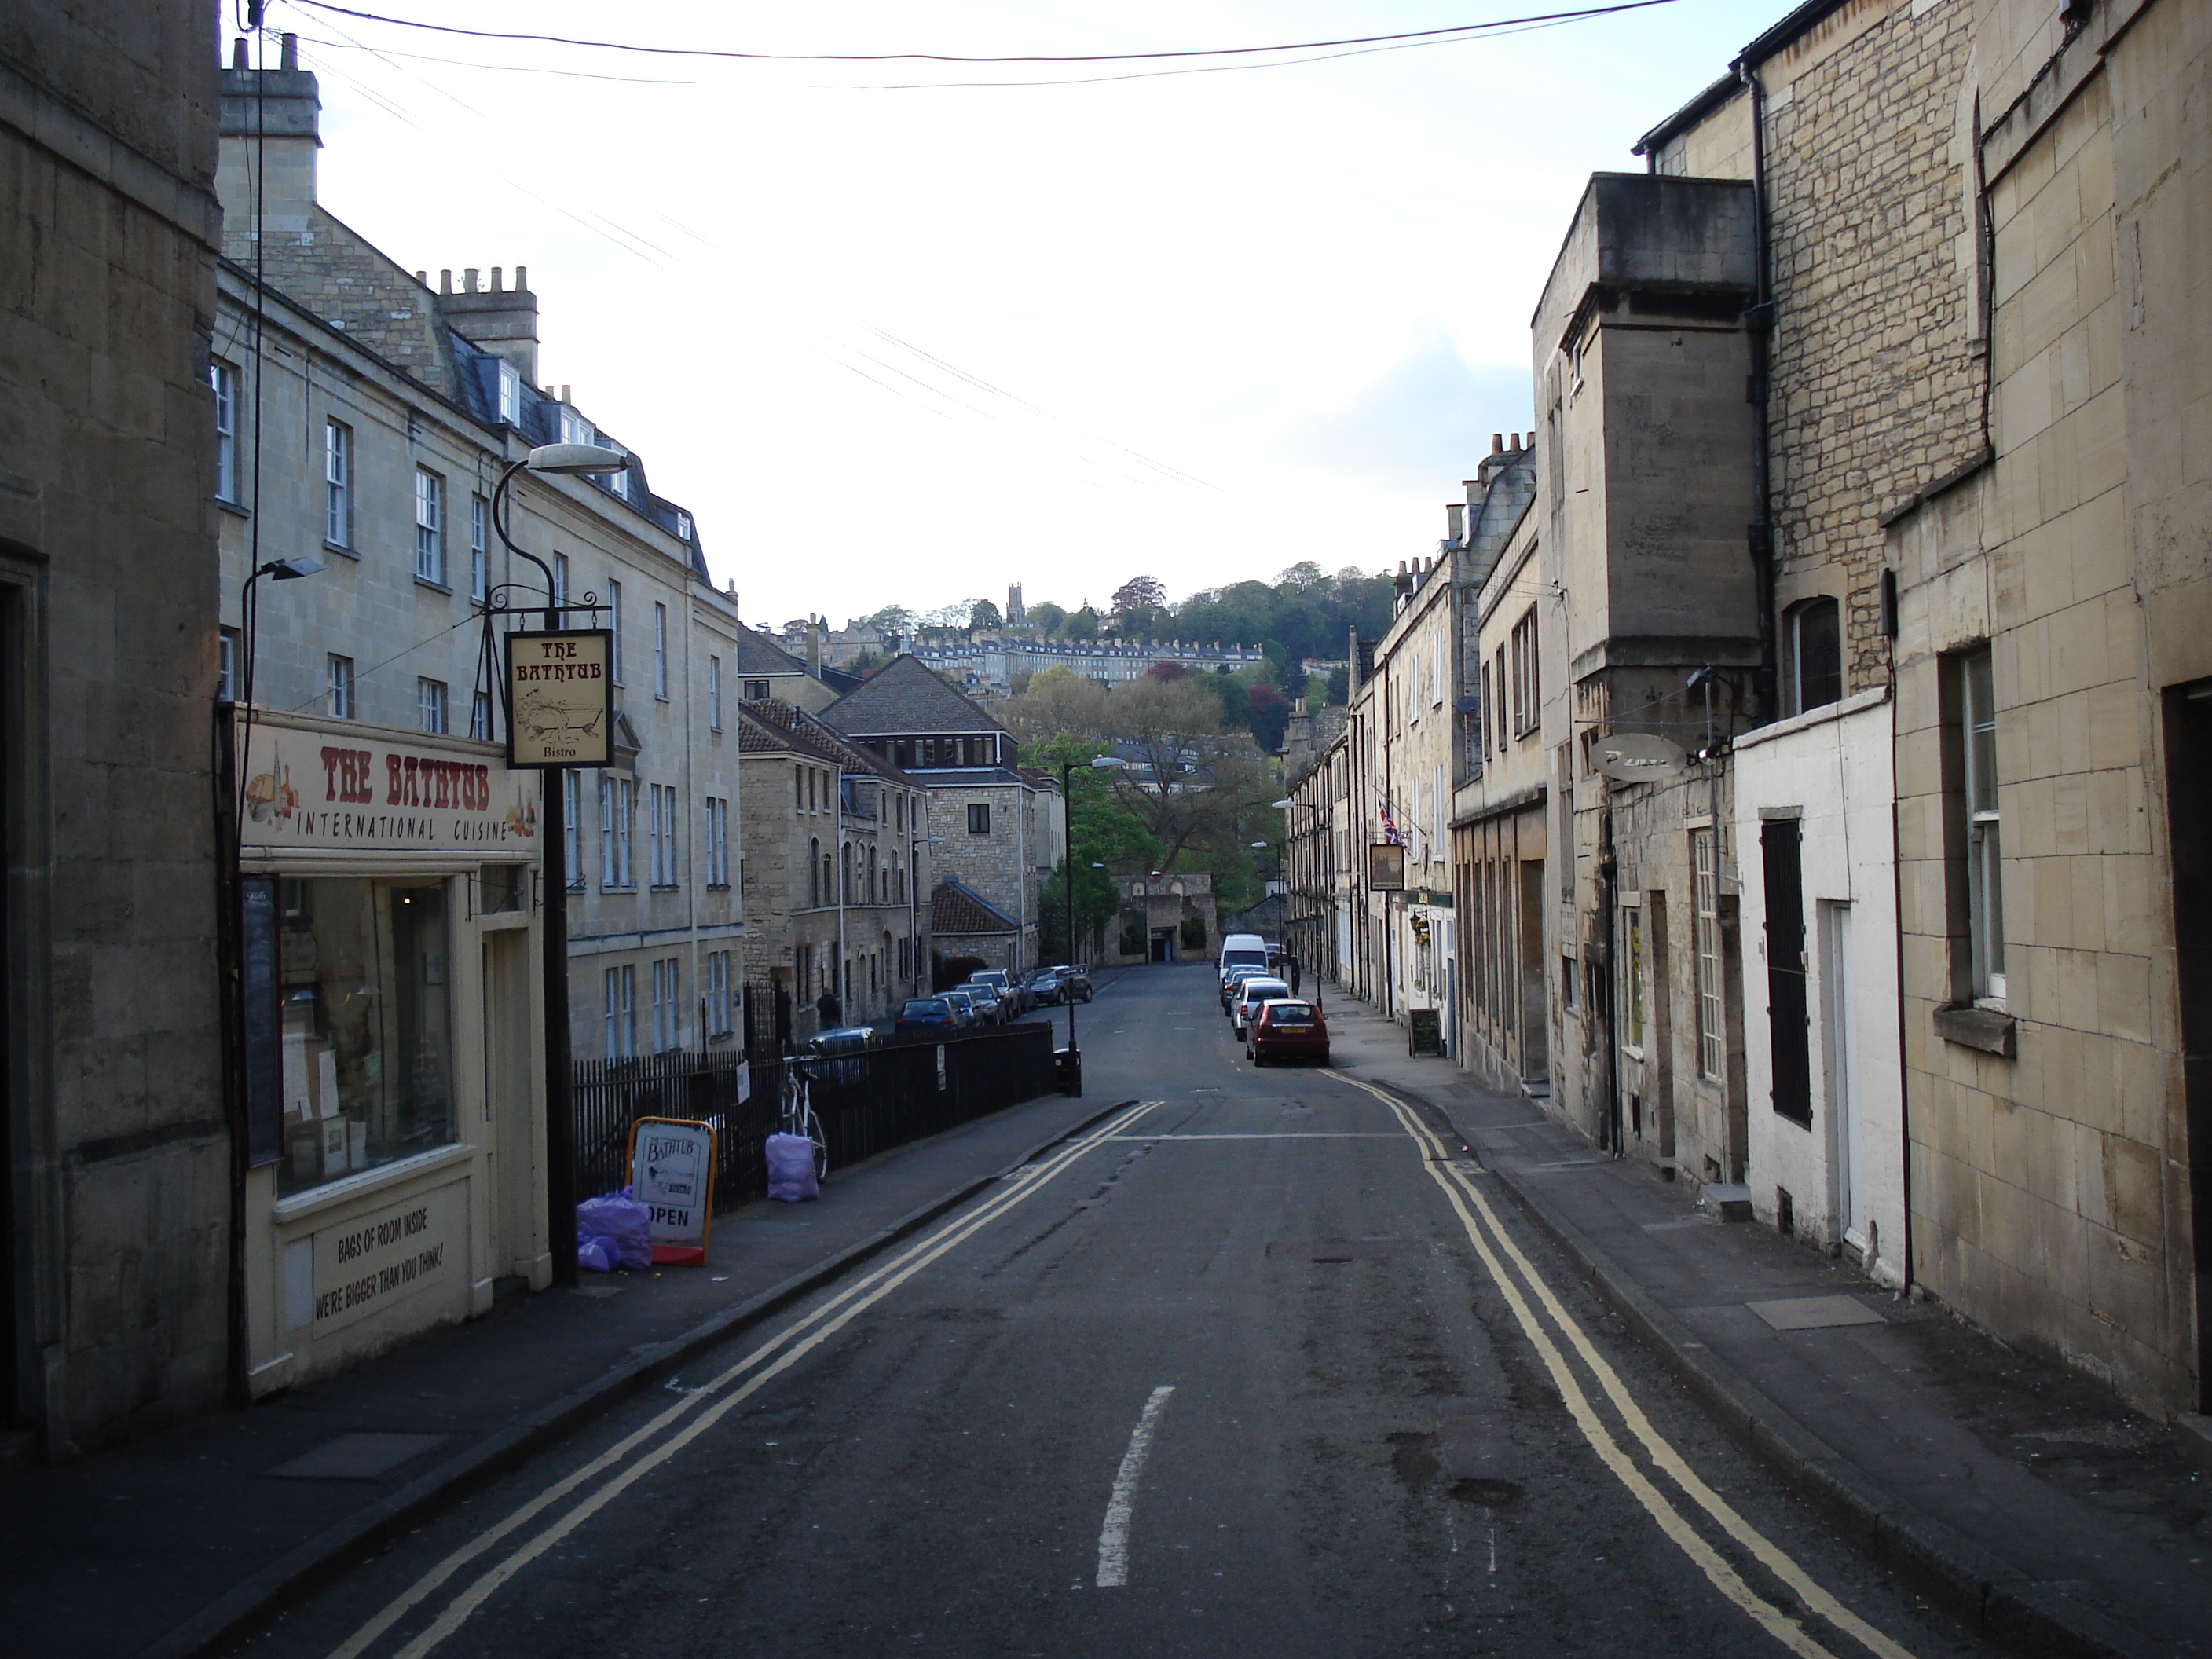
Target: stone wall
{"points": [[115, 1227]]}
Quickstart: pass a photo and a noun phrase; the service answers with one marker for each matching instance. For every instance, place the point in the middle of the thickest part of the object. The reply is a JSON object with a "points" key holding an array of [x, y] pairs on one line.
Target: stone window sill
{"points": [[343, 549], [1986, 1029], [434, 586]]}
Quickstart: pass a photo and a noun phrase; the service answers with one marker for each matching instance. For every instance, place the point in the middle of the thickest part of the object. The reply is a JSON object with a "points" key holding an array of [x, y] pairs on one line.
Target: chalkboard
{"points": [[1426, 1034], [259, 945]]}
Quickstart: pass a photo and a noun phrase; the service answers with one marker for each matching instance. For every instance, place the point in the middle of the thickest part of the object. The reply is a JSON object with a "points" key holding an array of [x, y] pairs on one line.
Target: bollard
{"points": [[1067, 1064]]}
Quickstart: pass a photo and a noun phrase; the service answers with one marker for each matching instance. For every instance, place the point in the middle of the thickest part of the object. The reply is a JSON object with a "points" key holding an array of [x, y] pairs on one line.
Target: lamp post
{"points": [[1072, 1075], [560, 460]]}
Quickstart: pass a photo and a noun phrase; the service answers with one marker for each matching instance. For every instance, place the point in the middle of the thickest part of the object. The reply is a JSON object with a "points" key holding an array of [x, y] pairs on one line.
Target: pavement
{"points": [[166, 1547], [2042, 1513]]}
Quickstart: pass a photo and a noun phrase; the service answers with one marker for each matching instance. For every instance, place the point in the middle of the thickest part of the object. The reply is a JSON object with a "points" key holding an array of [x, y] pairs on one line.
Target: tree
{"points": [[890, 620], [984, 614], [1083, 624], [1046, 617], [1167, 671], [955, 615], [1098, 902], [1139, 593]]}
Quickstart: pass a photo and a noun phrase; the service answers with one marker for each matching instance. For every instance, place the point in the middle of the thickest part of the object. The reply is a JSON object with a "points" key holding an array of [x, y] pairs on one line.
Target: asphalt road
{"points": [[1259, 1366]]}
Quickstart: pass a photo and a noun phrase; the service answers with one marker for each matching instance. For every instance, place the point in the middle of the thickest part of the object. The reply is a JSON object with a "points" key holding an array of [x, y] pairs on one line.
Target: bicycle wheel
{"points": [[812, 1131]]}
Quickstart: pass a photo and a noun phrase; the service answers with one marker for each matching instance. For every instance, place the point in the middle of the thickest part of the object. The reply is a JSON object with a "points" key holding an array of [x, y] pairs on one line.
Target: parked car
{"points": [[990, 1010], [1046, 989], [834, 1046], [1288, 1029], [1239, 949], [1250, 994], [965, 1010], [1236, 976], [1007, 988], [1075, 981], [925, 1016]]}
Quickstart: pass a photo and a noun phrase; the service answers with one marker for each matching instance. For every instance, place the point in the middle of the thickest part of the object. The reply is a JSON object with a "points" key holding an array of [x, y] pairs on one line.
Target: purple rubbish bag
{"points": [[621, 1219], [596, 1255], [790, 1169]]}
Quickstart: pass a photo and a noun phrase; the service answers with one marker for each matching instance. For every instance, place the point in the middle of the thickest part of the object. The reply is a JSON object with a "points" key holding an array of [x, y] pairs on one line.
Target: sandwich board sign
{"points": [[671, 1173]]}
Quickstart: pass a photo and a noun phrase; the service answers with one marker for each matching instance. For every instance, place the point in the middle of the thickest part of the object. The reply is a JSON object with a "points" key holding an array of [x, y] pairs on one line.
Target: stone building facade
{"points": [[832, 836], [1172, 915], [116, 1159], [995, 825]]}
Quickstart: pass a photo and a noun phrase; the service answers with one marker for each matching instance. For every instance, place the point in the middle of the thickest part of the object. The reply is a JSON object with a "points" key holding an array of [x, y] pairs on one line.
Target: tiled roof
{"points": [[905, 698], [758, 655], [956, 907]]}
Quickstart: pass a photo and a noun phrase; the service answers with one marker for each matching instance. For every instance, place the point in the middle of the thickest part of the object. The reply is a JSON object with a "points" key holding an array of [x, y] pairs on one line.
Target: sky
{"points": [[894, 336]]}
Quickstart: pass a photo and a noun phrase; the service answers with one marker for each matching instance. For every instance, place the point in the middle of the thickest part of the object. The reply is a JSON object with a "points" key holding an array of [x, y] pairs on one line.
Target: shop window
{"points": [[368, 1027]]}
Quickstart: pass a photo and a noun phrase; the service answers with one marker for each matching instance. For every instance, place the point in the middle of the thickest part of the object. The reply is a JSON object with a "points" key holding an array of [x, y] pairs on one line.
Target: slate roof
{"points": [[759, 656], [957, 908], [905, 698], [766, 727]]}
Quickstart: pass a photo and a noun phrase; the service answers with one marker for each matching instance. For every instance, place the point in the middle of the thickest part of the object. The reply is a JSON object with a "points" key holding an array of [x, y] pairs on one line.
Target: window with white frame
{"points": [[339, 677], [226, 665], [337, 484], [617, 808], [575, 429], [660, 652], [572, 827], [717, 842], [660, 832], [1705, 913], [1983, 835], [621, 1004], [510, 395], [713, 694], [1527, 691], [1498, 675], [430, 704], [617, 481], [716, 1006], [614, 623], [560, 579], [479, 548], [667, 1008], [223, 379], [1812, 653], [480, 717], [429, 526]]}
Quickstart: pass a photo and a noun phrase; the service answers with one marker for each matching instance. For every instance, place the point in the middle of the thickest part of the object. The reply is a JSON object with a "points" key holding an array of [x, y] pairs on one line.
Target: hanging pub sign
{"points": [[559, 699], [1386, 867]]}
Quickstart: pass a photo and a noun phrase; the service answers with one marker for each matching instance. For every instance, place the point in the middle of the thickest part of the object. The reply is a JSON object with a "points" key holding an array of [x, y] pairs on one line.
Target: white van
{"points": [[1239, 951]]}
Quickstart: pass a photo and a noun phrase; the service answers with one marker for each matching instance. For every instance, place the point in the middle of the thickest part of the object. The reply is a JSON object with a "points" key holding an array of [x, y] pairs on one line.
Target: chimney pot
{"points": [[521, 279], [291, 54], [565, 396], [237, 54], [498, 279], [445, 282], [423, 278], [469, 279], [1497, 444]]}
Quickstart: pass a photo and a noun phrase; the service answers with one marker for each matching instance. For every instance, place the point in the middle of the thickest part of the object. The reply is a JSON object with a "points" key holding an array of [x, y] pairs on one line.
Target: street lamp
{"points": [[1071, 1073], [567, 461]]}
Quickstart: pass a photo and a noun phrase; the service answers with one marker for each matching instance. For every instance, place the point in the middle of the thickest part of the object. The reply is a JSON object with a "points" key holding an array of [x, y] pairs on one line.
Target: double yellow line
{"points": [[626, 1462], [1494, 1245]]}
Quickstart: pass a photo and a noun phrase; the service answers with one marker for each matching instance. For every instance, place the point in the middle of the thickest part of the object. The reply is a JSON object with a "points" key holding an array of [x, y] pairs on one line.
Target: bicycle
{"points": [[797, 1116]]}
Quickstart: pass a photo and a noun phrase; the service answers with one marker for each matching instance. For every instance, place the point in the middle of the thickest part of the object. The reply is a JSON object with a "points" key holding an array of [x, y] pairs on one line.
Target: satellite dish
{"points": [[1640, 757]]}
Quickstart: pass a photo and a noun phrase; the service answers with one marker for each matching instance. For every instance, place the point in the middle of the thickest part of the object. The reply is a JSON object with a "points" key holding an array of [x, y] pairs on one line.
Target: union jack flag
{"points": [[1390, 836]]}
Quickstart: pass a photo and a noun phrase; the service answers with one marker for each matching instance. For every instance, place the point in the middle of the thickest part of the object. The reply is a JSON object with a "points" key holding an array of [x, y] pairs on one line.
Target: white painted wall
{"points": [[1834, 764]]}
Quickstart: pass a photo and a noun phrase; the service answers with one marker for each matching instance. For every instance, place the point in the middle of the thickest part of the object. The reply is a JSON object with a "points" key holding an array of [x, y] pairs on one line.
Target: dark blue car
{"points": [[926, 1017]]}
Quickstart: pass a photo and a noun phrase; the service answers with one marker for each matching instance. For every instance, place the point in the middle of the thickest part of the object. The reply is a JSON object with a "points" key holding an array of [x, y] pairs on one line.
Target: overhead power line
{"points": [[1437, 36]]}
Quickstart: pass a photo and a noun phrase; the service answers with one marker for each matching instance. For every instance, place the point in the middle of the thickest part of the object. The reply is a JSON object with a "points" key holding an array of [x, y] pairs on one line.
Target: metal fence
{"points": [[869, 1101]]}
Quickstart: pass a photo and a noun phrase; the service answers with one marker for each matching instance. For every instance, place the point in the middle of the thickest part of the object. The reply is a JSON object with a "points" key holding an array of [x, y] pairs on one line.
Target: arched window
{"points": [[814, 871], [1811, 656]]}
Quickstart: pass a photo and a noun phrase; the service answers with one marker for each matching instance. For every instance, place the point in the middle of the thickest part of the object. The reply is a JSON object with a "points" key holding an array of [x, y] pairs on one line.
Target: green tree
{"points": [[1046, 617], [1098, 902], [891, 619], [1082, 624], [984, 614]]}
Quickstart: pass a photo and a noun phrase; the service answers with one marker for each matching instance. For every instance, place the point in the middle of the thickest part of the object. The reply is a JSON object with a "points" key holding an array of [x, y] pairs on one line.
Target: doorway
{"points": [[1163, 944], [1839, 1067], [1535, 1021], [2189, 807], [510, 1123]]}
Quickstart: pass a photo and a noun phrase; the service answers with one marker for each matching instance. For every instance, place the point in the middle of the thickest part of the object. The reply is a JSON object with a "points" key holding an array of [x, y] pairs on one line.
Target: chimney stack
{"points": [[270, 118], [814, 649], [503, 320], [1455, 522]]}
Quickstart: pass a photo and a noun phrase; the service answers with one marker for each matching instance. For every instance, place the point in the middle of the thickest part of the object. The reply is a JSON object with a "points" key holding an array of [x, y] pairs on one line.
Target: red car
{"points": [[1288, 1029]]}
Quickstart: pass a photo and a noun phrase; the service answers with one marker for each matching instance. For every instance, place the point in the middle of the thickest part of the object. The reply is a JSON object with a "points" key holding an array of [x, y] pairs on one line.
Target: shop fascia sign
{"points": [[559, 699], [340, 787]]}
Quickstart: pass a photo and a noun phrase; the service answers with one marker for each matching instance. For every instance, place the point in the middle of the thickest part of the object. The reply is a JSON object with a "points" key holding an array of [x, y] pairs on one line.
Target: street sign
{"points": [[1386, 867], [1640, 757], [671, 1173], [559, 699]]}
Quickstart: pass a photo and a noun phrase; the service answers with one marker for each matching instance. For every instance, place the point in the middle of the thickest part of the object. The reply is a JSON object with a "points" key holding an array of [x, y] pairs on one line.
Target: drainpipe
{"points": [[1759, 323]]}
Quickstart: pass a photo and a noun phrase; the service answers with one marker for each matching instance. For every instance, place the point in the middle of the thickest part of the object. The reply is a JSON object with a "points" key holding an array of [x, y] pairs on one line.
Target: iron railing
{"points": [[869, 1101]]}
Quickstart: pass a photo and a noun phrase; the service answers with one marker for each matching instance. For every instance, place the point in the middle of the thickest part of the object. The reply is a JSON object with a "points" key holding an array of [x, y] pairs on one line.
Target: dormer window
{"points": [[510, 395], [575, 429]]}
